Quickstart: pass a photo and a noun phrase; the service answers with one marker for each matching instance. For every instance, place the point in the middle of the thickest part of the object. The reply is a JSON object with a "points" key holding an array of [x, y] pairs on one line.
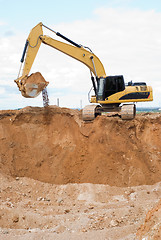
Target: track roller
{"points": [[128, 111], [89, 112]]}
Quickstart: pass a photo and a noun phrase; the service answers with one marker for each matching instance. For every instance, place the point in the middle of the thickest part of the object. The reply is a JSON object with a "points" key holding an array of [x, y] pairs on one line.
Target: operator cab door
{"points": [[109, 85]]}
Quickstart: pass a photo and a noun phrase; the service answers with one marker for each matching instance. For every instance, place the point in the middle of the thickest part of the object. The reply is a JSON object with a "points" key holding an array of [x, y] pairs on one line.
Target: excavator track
{"points": [[89, 112], [128, 111]]}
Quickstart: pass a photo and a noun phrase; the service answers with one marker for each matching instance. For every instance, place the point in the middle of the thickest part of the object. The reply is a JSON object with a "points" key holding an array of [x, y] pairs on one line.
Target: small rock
{"points": [[66, 211], [39, 199], [5, 232], [114, 223], [132, 205], [91, 207], [133, 196], [47, 199], [84, 230], [9, 204], [60, 200], [15, 219]]}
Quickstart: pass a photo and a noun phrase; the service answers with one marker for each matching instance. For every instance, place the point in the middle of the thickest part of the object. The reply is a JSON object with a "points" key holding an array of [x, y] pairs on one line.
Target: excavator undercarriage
{"points": [[126, 111]]}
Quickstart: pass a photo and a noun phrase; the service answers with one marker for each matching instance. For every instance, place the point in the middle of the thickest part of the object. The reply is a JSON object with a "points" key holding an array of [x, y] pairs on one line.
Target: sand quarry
{"points": [[61, 178]]}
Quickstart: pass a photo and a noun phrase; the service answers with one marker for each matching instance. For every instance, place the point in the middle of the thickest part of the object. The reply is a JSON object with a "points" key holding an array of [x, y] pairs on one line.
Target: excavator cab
{"points": [[109, 85]]}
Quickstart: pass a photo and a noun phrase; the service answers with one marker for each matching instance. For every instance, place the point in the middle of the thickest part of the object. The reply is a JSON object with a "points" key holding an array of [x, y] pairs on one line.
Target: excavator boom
{"points": [[28, 87]]}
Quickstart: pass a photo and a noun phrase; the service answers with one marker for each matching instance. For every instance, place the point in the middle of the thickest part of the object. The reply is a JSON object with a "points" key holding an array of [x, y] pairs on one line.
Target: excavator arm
{"points": [[76, 51]]}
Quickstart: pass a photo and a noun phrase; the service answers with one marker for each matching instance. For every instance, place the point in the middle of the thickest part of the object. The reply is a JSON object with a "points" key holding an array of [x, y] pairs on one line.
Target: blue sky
{"points": [[124, 34], [19, 14]]}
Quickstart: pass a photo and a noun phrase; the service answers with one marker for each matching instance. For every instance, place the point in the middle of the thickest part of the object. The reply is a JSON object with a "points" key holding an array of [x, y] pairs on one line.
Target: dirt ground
{"points": [[61, 178]]}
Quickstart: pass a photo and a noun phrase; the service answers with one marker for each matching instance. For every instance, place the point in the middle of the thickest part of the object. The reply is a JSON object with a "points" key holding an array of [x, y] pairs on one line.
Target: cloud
{"points": [[128, 42], [2, 23]]}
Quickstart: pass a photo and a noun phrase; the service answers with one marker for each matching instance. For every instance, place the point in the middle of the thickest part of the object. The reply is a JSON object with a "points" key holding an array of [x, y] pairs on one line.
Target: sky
{"points": [[124, 34]]}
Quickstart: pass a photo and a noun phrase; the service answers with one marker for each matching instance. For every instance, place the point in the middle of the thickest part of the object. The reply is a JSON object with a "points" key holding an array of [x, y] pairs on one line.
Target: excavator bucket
{"points": [[33, 85]]}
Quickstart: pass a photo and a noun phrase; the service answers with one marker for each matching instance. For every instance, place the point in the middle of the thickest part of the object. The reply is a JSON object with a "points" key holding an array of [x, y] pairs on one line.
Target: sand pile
{"points": [[54, 145]]}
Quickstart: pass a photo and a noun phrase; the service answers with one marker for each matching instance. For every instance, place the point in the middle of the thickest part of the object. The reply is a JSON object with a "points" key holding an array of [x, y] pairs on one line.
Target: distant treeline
{"points": [[153, 109]]}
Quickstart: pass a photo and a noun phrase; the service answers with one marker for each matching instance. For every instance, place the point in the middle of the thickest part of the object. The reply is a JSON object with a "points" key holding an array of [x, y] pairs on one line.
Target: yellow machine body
{"points": [[30, 87]]}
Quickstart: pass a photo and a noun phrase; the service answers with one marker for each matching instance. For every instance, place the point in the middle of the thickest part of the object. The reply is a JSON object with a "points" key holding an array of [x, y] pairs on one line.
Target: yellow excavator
{"points": [[111, 92]]}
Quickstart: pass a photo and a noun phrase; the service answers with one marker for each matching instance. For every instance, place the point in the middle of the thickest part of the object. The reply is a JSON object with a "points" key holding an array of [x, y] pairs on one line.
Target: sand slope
{"points": [[61, 178], [53, 145]]}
